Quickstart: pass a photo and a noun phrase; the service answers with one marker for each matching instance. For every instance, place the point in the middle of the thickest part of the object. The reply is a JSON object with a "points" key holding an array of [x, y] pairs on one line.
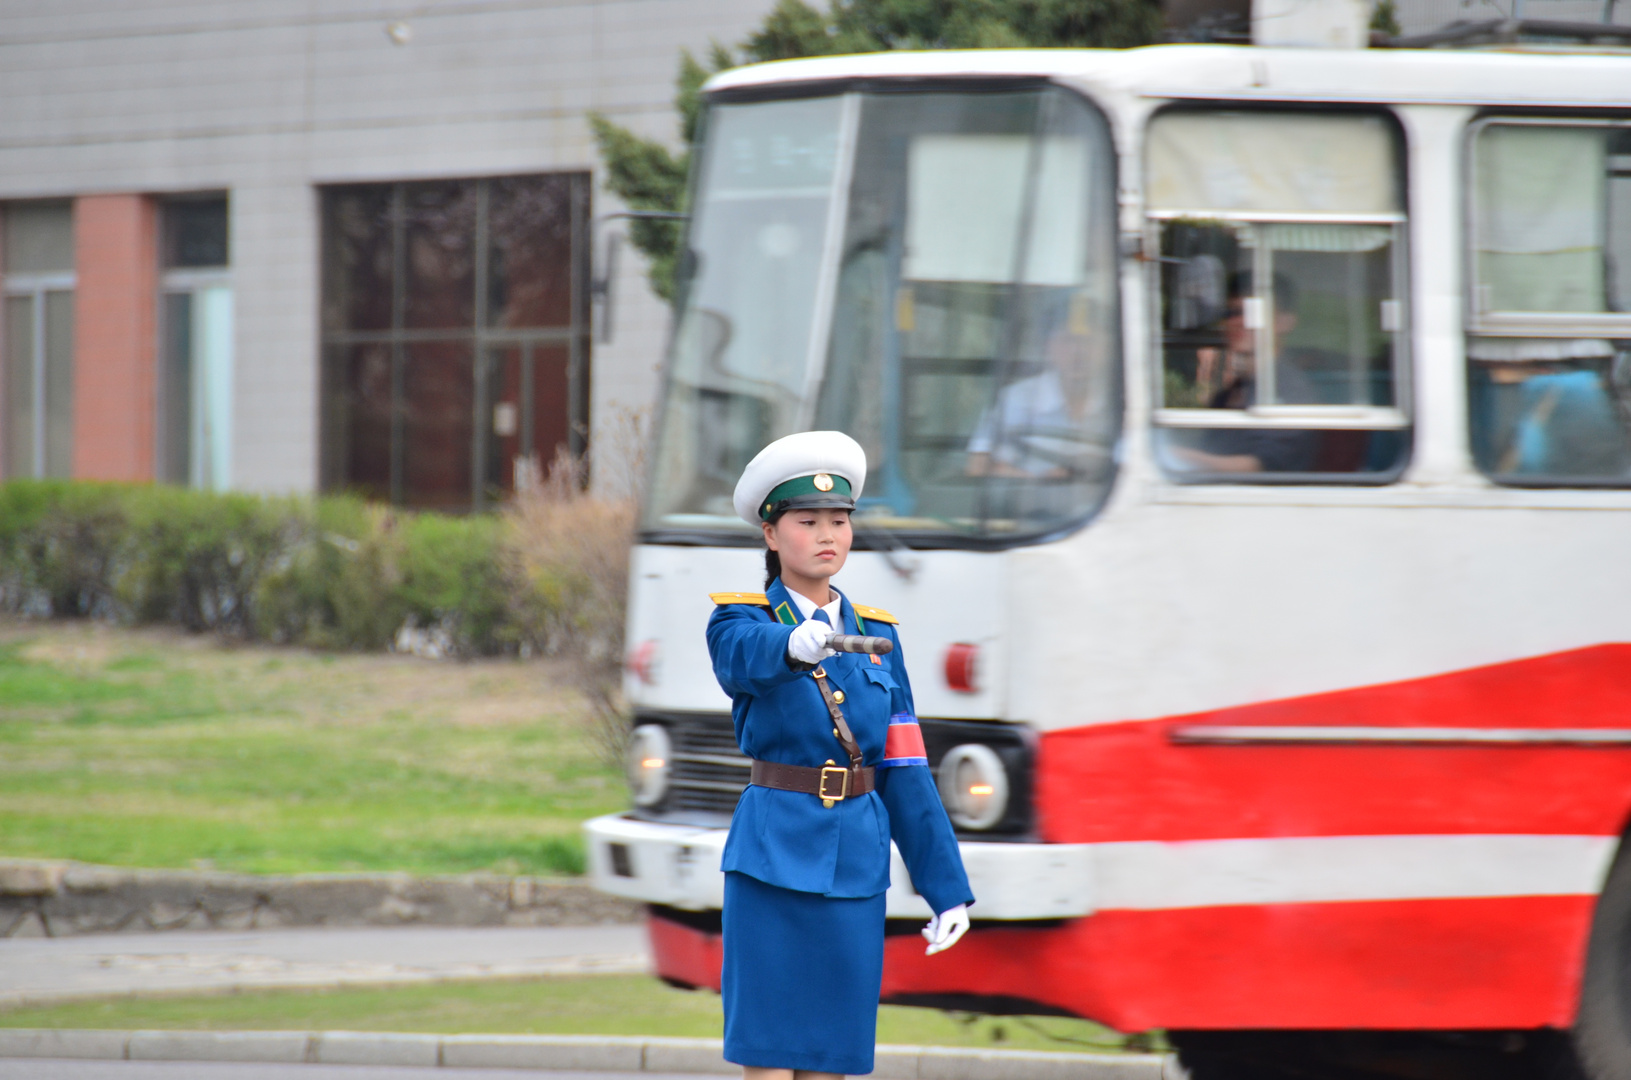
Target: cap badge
{"points": [[822, 481]]}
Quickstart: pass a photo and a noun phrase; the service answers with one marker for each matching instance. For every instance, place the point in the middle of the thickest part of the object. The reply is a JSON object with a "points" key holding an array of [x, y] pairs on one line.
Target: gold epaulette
{"points": [[757, 598], [877, 613]]}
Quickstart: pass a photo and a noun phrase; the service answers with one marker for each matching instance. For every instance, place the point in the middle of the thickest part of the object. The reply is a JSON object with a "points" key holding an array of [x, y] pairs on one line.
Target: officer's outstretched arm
{"points": [[749, 652]]}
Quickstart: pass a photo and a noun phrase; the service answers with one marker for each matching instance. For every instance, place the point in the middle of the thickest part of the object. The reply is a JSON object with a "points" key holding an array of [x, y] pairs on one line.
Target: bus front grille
{"points": [[708, 772]]}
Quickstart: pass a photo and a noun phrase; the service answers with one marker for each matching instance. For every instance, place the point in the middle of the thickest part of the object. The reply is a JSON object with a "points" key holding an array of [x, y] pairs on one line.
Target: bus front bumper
{"points": [[678, 866]]}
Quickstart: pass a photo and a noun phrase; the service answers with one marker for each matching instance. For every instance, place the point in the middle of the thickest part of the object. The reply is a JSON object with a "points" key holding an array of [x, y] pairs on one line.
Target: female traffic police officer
{"points": [[838, 770]]}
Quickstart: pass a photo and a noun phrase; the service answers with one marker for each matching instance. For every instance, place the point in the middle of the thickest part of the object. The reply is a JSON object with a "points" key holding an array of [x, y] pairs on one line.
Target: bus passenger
{"points": [[1249, 450], [1546, 416], [839, 770]]}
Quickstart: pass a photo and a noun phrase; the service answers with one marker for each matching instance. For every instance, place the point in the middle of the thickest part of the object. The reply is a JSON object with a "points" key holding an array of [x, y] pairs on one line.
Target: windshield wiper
{"points": [[901, 559]]}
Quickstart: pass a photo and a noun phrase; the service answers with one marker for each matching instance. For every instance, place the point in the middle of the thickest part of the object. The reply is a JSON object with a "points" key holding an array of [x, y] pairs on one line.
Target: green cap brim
{"points": [[802, 493]]}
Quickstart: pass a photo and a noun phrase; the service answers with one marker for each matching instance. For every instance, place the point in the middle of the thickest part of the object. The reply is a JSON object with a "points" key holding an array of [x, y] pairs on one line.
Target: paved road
{"points": [[40, 970], [29, 1069]]}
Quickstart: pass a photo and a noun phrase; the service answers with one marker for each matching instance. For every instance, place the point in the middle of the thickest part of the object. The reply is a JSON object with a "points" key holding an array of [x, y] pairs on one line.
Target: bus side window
{"points": [[1281, 283], [1549, 343]]}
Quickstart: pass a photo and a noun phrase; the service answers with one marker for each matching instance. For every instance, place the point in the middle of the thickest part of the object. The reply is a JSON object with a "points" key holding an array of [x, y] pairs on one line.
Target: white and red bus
{"points": [[1250, 447]]}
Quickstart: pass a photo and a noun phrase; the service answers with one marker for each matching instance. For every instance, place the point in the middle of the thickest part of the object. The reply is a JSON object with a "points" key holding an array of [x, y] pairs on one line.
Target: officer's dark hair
{"points": [[1285, 290], [773, 561]]}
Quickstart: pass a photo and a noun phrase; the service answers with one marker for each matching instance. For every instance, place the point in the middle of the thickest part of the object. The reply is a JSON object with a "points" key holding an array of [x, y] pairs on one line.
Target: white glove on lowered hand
{"points": [[945, 929], [808, 645]]}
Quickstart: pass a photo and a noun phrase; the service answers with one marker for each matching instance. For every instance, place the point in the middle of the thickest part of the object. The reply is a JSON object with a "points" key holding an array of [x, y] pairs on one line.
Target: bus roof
{"points": [[1245, 73]]}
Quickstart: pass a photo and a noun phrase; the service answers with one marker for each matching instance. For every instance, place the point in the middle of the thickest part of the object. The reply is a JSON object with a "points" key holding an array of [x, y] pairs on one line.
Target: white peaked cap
{"points": [[803, 454]]}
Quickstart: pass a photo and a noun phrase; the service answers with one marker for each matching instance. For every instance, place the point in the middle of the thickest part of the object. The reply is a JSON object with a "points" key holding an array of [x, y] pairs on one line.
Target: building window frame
{"points": [[486, 341], [194, 389], [181, 461], [36, 287], [50, 387]]}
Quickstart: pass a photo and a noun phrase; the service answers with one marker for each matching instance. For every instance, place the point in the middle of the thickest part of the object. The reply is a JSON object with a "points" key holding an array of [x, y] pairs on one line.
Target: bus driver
{"points": [[1040, 427]]}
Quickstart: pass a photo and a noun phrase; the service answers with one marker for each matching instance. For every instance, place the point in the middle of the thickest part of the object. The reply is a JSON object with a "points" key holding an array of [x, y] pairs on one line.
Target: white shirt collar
{"points": [[807, 607]]}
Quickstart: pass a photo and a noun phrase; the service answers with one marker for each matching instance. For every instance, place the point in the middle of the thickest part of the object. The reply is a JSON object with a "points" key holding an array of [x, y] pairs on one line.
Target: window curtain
{"points": [[1541, 202], [1272, 163]]}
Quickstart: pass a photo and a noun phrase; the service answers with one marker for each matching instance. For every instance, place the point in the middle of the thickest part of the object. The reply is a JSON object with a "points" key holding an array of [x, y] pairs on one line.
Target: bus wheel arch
{"points": [[1601, 1036]]}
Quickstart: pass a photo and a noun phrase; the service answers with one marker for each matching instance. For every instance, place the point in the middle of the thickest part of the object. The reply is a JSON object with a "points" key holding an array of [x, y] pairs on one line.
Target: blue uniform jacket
{"points": [[787, 838]]}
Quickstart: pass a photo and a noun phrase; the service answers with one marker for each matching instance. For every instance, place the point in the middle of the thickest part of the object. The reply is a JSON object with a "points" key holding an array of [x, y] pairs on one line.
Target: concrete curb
{"points": [[580, 1053], [41, 898]]}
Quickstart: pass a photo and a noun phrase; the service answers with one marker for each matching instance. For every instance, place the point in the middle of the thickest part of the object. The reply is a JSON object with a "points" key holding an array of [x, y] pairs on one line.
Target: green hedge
{"points": [[333, 572]]}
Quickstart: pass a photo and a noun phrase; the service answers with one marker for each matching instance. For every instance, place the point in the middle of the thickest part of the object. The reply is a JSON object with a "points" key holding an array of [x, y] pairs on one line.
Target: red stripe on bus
{"points": [[1128, 781], [685, 954], [1507, 962], [1444, 964]]}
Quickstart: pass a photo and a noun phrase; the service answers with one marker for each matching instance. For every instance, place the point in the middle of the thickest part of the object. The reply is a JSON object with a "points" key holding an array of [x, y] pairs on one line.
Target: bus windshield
{"points": [[931, 272]]}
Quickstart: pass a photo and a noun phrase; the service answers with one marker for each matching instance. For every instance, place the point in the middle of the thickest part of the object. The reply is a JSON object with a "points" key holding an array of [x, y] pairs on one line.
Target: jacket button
{"points": [[838, 696]]}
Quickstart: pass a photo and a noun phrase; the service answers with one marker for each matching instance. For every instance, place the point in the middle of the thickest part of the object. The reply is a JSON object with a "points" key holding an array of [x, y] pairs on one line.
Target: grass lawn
{"points": [[154, 748], [591, 1005]]}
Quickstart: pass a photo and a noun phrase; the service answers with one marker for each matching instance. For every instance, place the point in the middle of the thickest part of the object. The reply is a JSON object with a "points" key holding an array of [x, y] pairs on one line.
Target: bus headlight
{"points": [[974, 786], [648, 764]]}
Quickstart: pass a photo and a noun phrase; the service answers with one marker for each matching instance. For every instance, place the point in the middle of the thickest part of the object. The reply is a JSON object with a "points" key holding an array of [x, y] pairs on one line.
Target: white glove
{"points": [[945, 929], [808, 645]]}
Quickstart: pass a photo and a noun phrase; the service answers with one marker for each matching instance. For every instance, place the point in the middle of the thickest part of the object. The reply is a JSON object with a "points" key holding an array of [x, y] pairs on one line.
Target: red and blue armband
{"points": [[904, 743]]}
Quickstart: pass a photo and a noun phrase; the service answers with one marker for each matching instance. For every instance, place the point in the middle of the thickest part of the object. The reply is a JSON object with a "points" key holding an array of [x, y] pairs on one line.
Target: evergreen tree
{"points": [[1385, 18], [648, 176]]}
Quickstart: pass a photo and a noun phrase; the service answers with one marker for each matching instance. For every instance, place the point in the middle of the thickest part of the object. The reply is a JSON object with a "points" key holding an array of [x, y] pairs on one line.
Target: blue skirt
{"points": [[801, 978]]}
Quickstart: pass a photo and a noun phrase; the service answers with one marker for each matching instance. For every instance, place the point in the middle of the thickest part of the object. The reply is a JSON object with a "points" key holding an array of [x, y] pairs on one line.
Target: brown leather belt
{"points": [[833, 783]]}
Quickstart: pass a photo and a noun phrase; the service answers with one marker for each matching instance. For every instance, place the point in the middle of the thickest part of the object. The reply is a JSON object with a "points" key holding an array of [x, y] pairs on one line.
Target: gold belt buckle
{"points": [[827, 797]]}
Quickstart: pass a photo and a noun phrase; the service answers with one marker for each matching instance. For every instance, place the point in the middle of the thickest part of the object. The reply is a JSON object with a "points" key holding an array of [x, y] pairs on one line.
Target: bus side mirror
{"points": [[603, 290], [602, 287]]}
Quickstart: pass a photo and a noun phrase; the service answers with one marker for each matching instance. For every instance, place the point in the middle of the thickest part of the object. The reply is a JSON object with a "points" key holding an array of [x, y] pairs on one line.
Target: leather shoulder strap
{"points": [[840, 725]]}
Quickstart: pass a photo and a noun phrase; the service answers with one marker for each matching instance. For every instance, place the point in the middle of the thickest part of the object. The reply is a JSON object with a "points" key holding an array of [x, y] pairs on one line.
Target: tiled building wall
{"points": [[1423, 16], [266, 99]]}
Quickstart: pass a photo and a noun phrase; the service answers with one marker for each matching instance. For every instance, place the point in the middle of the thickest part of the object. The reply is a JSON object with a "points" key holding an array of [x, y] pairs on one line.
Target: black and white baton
{"points": [[854, 643]]}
